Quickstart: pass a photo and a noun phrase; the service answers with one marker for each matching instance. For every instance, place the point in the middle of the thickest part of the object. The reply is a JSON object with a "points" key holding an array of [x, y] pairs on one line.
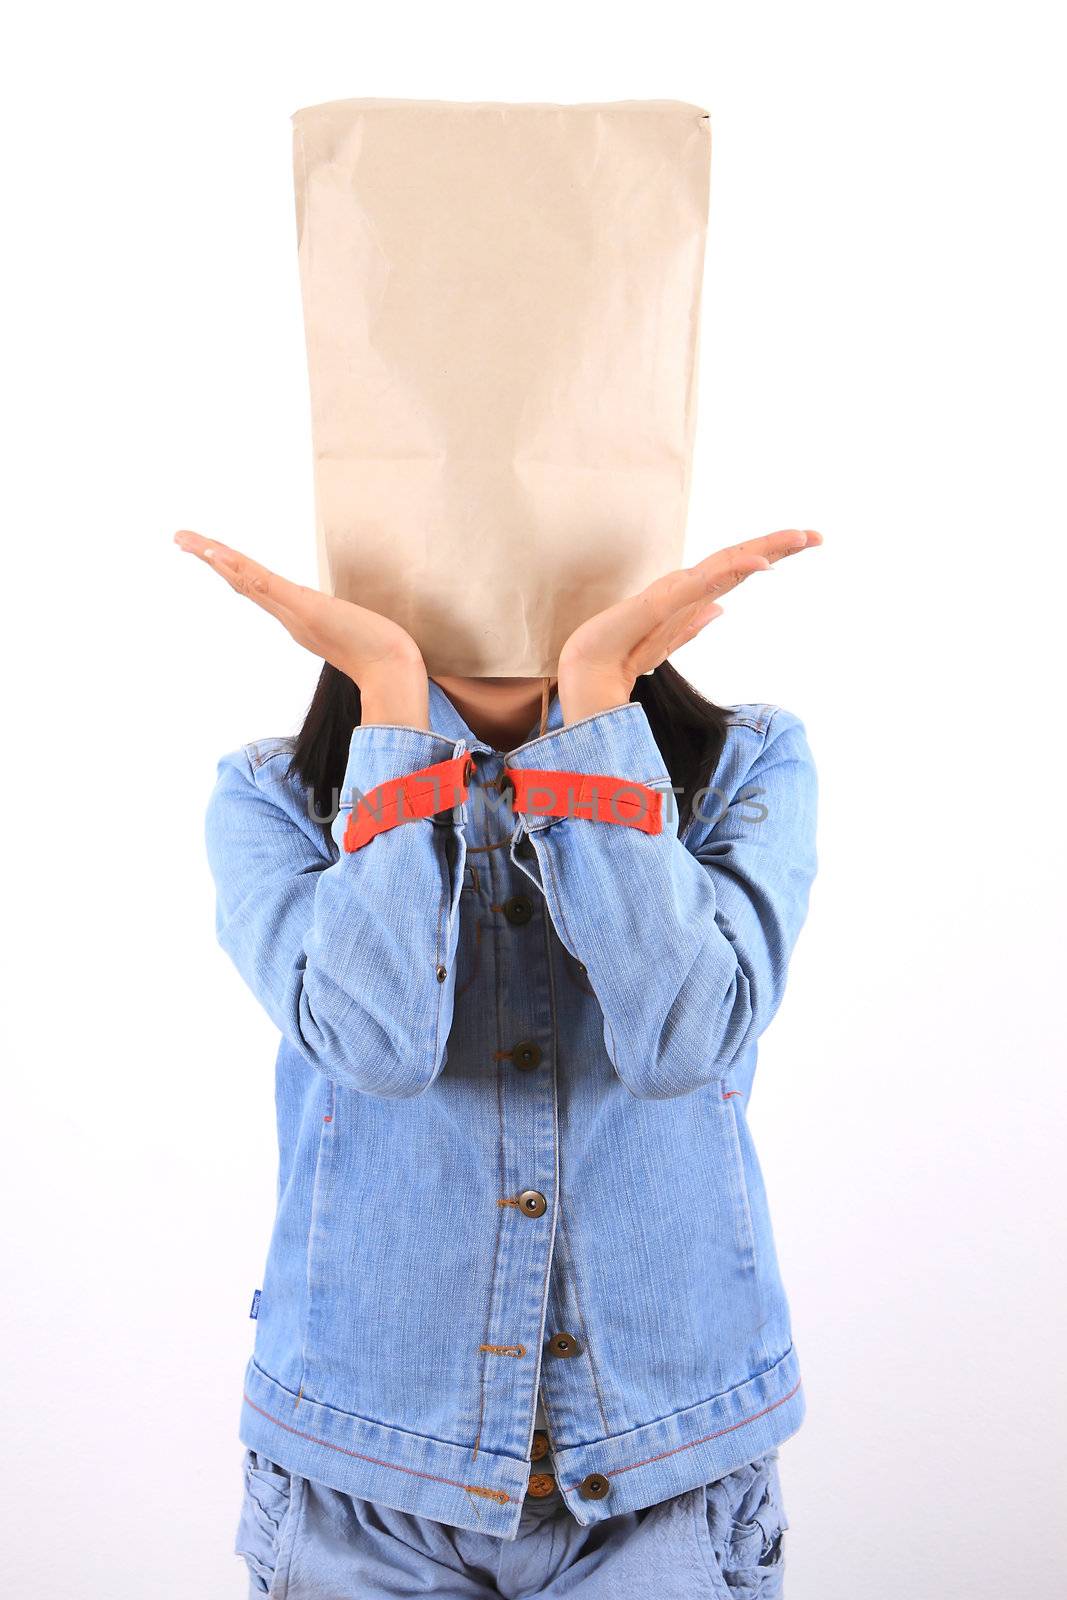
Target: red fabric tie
{"points": [[594, 795], [416, 794]]}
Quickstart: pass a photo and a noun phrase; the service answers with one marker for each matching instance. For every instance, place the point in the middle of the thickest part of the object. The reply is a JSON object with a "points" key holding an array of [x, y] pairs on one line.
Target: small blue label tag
{"points": [[255, 1304]]}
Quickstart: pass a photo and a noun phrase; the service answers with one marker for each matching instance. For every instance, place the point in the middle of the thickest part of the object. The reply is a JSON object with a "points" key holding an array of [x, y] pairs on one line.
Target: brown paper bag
{"points": [[502, 311]]}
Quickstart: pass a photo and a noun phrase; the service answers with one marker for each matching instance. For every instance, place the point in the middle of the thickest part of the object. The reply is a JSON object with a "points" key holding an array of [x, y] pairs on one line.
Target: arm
{"points": [[686, 948], [353, 959]]}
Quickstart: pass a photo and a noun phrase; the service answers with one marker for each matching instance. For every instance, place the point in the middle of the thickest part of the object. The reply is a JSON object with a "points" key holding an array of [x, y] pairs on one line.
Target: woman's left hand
{"points": [[603, 658]]}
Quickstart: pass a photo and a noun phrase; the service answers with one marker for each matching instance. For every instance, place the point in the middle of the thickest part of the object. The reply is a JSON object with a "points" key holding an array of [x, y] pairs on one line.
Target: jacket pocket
{"points": [[739, 1196], [266, 1527]]}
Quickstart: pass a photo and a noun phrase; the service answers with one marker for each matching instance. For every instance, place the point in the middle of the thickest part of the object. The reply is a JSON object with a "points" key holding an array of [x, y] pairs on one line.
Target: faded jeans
{"points": [[301, 1539]]}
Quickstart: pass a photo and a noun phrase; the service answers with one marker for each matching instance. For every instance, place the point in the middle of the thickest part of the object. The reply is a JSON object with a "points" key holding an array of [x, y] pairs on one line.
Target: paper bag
{"points": [[502, 310]]}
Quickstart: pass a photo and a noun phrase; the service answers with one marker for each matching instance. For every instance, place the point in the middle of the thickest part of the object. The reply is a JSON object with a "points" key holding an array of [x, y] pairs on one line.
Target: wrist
{"points": [[580, 700], [400, 695]]}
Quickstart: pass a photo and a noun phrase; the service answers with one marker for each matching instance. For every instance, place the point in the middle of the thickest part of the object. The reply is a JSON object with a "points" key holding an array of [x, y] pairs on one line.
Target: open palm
{"points": [[604, 656], [358, 642]]}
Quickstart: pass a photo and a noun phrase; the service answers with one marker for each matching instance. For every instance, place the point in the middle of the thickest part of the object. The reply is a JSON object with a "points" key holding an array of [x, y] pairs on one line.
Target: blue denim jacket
{"points": [[487, 1006]]}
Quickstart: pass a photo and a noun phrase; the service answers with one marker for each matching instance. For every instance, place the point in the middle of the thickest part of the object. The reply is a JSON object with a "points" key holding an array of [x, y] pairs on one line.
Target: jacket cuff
{"points": [[382, 751], [615, 743]]}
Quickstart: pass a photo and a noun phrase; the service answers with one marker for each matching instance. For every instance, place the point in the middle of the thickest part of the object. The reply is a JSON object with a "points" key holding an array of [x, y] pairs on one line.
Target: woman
{"points": [[521, 1329]]}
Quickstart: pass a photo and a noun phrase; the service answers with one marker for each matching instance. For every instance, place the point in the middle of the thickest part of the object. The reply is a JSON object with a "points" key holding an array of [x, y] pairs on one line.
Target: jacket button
{"points": [[541, 1485], [526, 1055], [533, 1203], [519, 909], [594, 1486], [540, 1446], [442, 974], [564, 1344]]}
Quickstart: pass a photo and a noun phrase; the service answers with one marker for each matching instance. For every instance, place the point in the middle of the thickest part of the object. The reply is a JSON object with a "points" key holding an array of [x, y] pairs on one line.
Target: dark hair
{"points": [[689, 730]]}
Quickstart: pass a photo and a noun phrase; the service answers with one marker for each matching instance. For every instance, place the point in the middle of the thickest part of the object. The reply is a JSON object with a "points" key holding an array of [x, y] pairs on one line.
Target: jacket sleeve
{"points": [[353, 958], [686, 945]]}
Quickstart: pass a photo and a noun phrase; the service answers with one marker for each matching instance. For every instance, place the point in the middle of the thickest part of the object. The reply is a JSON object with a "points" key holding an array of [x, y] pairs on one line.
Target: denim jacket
{"points": [[516, 1053]]}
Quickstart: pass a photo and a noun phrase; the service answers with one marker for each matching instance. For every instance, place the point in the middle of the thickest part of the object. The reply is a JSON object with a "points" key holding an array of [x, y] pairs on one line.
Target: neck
{"points": [[499, 710]]}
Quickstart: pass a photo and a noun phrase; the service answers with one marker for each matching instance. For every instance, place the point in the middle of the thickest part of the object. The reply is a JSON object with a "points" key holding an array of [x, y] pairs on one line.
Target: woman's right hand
{"points": [[380, 658]]}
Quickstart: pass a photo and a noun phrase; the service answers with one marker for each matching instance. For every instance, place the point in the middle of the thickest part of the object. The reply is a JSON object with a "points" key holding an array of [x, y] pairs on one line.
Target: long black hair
{"points": [[689, 729]]}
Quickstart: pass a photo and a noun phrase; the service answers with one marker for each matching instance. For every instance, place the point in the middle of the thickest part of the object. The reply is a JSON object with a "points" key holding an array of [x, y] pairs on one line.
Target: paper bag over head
{"points": [[502, 308]]}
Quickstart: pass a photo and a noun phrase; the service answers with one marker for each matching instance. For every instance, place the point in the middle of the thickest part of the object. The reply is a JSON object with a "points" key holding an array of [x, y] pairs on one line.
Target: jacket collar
{"points": [[446, 719]]}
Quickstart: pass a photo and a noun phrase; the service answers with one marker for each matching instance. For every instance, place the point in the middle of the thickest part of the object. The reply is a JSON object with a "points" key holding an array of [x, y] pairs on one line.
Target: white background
{"points": [[883, 359]]}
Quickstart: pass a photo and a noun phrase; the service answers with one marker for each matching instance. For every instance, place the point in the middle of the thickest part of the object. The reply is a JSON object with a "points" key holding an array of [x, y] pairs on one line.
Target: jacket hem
{"points": [[405, 1471], [687, 1449], [486, 1493]]}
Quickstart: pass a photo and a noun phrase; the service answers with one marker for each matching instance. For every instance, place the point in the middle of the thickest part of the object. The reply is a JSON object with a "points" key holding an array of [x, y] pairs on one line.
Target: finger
{"points": [[723, 570], [696, 623], [786, 542], [195, 544], [714, 576], [663, 641], [245, 576]]}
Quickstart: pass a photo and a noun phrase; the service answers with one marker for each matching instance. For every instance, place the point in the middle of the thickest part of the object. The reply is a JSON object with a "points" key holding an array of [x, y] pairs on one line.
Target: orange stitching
{"points": [[499, 1495], [504, 1349], [509, 1202], [476, 882], [731, 1429]]}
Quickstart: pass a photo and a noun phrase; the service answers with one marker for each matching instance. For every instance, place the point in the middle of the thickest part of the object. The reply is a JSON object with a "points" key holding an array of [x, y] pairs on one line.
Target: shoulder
{"points": [[762, 733], [762, 718], [268, 759], [765, 749], [758, 733], [261, 763], [255, 783]]}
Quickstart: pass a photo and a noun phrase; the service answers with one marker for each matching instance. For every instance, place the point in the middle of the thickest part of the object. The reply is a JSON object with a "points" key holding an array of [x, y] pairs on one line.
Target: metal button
{"points": [[526, 1055], [442, 974], [564, 1344], [519, 909], [541, 1485], [594, 1486], [540, 1445], [533, 1203]]}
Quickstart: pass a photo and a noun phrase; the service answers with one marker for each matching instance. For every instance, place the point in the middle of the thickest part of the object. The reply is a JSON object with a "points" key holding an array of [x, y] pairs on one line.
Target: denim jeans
{"points": [[301, 1539]]}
